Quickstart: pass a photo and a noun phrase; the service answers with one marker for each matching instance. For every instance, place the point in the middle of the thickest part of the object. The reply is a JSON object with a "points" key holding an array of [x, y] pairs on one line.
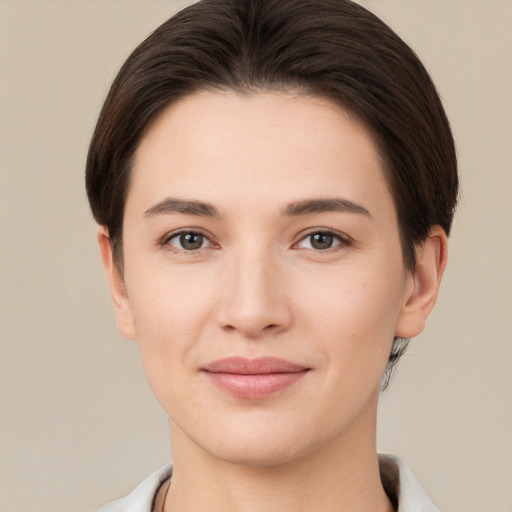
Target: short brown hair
{"points": [[334, 49]]}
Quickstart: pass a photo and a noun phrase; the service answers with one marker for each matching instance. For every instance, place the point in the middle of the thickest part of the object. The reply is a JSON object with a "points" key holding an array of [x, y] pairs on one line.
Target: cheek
{"points": [[359, 297], [170, 309], [168, 299], [352, 312]]}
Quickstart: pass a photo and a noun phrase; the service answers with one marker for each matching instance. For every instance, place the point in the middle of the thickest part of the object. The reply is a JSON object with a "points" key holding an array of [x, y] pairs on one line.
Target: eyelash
{"points": [[342, 239], [167, 239]]}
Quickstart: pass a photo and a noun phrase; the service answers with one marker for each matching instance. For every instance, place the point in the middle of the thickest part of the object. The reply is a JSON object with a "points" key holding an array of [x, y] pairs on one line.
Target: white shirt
{"points": [[398, 480]]}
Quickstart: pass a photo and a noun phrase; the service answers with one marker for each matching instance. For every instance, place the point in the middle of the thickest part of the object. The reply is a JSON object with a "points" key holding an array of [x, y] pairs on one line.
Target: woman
{"points": [[274, 182]]}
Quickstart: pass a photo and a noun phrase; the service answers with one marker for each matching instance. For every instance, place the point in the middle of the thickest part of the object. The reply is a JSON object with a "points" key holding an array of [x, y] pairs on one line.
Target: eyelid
{"points": [[344, 239], [164, 241]]}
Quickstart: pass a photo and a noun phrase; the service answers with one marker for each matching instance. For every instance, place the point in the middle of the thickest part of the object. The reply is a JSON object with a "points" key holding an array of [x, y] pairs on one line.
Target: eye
{"points": [[188, 241], [321, 241]]}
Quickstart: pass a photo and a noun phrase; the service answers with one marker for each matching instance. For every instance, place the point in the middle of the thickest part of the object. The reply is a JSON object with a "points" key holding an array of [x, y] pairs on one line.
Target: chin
{"points": [[263, 441], [258, 454]]}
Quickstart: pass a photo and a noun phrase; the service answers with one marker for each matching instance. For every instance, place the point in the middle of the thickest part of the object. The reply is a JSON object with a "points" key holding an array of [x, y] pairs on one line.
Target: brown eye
{"points": [[189, 241], [320, 241]]}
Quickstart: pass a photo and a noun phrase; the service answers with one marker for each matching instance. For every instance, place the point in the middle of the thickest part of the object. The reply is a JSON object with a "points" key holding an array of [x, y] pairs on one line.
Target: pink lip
{"points": [[253, 378]]}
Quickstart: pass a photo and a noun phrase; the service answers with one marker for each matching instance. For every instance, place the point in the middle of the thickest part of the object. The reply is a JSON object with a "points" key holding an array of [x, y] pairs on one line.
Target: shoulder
{"points": [[142, 497], [401, 484]]}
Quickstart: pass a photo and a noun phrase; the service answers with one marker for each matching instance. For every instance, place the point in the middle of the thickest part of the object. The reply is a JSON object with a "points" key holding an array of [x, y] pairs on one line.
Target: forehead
{"points": [[260, 147]]}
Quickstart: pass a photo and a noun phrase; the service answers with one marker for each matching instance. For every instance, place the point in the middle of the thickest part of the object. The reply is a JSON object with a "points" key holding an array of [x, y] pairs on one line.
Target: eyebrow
{"points": [[183, 206], [312, 206], [171, 205]]}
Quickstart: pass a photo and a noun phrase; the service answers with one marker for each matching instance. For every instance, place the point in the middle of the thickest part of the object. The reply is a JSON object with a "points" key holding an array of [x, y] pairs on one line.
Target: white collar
{"points": [[398, 481]]}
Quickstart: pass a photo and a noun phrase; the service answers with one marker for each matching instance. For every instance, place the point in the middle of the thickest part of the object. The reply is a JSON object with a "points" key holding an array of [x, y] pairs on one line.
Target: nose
{"points": [[255, 300]]}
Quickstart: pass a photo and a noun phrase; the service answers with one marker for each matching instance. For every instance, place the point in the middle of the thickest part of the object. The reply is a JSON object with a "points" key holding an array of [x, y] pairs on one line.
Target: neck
{"points": [[342, 474]]}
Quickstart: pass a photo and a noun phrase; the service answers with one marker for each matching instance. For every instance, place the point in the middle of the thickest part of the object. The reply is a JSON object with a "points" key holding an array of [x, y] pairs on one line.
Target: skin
{"points": [[259, 286]]}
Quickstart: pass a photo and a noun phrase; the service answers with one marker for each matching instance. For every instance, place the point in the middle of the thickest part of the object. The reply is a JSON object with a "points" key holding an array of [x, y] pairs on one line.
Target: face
{"points": [[263, 274]]}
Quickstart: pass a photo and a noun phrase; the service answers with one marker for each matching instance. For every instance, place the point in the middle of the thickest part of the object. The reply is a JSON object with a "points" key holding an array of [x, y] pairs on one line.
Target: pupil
{"points": [[191, 241], [321, 241]]}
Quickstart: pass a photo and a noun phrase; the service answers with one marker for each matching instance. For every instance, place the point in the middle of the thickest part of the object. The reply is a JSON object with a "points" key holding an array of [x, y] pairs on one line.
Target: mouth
{"points": [[253, 378]]}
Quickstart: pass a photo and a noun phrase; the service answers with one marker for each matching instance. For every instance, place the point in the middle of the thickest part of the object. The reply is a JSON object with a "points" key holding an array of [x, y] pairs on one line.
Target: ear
{"points": [[423, 284], [118, 295]]}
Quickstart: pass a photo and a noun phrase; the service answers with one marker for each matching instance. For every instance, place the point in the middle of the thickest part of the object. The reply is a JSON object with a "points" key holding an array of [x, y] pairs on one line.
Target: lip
{"points": [[253, 378]]}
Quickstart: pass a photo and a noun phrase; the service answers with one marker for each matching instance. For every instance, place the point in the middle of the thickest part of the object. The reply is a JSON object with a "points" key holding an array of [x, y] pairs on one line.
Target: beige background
{"points": [[78, 424]]}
